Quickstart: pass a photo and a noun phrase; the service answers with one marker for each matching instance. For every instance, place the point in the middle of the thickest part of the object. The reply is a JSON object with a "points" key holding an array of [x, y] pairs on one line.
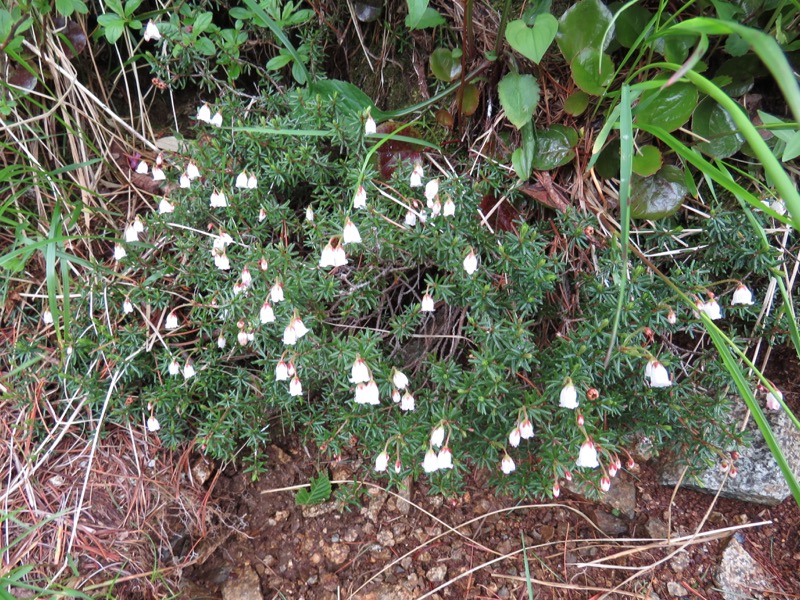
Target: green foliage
{"points": [[318, 492], [422, 16], [532, 43]]}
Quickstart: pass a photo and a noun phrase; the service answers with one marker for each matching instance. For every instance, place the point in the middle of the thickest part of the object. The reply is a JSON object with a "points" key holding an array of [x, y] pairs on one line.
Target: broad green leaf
{"points": [[588, 76], [715, 125], [278, 62], [470, 97], [422, 16], [6, 22], [792, 149], [742, 72], [131, 6], [201, 23], [536, 8], [630, 23], [522, 157], [554, 147], [519, 95], [583, 26], [242, 14], [205, 46], [532, 43], [115, 6], [318, 492], [667, 108], [299, 72], [675, 48], [647, 161], [658, 196], [576, 103], [67, 7], [445, 64]]}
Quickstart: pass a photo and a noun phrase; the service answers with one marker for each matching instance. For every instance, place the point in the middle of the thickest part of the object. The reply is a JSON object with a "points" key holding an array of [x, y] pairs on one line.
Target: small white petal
{"points": [[119, 252], [165, 207], [158, 174], [153, 424], [141, 168], [241, 180], [216, 120], [151, 32], [471, 263], [203, 114], [507, 465]]}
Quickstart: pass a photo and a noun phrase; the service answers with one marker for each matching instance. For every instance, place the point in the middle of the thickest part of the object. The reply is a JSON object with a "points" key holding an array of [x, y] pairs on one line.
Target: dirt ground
{"points": [[382, 547]]}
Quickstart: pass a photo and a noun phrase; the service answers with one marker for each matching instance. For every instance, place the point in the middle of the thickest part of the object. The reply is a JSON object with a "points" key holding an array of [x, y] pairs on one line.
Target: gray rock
{"points": [[436, 574], [759, 479], [621, 497], [739, 575], [609, 524], [656, 528], [243, 585], [676, 590]]}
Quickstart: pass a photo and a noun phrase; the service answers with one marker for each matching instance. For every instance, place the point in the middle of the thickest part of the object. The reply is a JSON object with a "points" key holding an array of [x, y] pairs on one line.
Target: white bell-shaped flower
{"points": [[444, 459], [569, 395], [471, 262], [427, 303], [142, 168], [216, 120], [295, 387], [526, 429], [431, 190], [416, 175], [408, 402], [587, 456], [360, 199], [165, 207], [350, 234], [437, 437], [218, 200], [158, 174], [151, 32], [507, 465], [241, 181], [399, 380], [742, 295], [359, 373], [514, 437], [276, 292], [382, 462], [171, 322], [266, 314], [431, 462], [152, 424], [119, 252], [203, 113]]}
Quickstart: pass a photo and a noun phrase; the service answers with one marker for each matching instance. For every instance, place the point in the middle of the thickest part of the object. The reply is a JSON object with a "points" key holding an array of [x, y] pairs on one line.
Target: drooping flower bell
{"points": [[165, 207], [407, 402], [431, 462], [569, 395], [241, 181], [431, 190], [127, 307], [370, 126], [333, 254], [218, 200], [295, 387], [514, 437], [360, 199], [526, 429], [266, 314], [184, 182], [416, 175], [672, 318], [427, 303], [658, 374], [382, 462], [605, 483], [192, 172], [281, 371], [350, 235], [444, 460], [171, 322], [174, 368], [587, 456], [359, 373], [151, 32], [276, 292], [773, 400], [142, 168], [119, 252], [471, 262], [449, 208], [152, 424], [188, 371], [507, 465], [437, 436], [216, 120], [399, 379], [712, 309], [742, 295]]}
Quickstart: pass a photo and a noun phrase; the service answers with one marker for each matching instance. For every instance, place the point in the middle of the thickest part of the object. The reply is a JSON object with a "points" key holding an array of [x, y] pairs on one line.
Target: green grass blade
{"points": [[625, 171], [528, 581]]}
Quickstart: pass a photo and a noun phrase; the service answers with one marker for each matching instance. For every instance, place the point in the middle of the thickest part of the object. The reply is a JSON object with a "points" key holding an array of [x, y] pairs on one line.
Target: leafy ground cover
{"points": [[539, 256]]}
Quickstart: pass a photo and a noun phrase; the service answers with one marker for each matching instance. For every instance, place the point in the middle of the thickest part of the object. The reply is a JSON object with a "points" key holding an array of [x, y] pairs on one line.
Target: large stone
{"points": [[759, 479], [739, 575], [621, 497], [243, 585]]}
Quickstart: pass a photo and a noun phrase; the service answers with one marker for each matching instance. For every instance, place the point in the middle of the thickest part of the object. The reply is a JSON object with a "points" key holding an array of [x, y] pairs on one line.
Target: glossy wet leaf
{"points": [[631, 23], [319, 491], [657, 196], [668, 108], [592, 71], [583, 26], [675, 48], [647, 161], [742, 72], [576, 103], [555, 147], [713, 123], [445, 64], [470, 98], [533, 42], [519, 95]]}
